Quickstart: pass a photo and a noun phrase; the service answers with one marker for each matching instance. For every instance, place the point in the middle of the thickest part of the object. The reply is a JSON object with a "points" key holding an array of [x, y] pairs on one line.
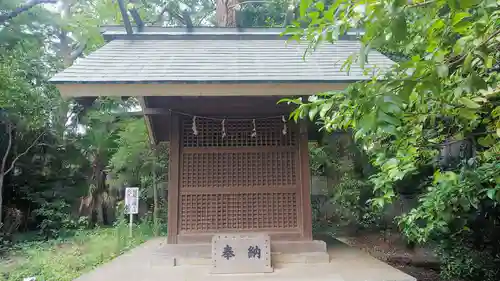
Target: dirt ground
{"points": [[420, 263]]}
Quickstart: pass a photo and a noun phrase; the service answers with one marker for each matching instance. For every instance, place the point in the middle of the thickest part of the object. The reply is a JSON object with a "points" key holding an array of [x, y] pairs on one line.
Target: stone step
{"points": [[282, 252], [281, 247], [276, 258]]}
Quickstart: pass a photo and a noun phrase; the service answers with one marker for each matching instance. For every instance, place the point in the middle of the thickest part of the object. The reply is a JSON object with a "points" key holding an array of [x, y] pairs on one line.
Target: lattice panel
{"points": [[236, 170], [242, 211], [238, 133]]}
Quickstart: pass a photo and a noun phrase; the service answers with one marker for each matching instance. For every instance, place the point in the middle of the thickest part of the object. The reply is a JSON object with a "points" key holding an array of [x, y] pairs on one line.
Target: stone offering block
{"points": [[241, 253]]}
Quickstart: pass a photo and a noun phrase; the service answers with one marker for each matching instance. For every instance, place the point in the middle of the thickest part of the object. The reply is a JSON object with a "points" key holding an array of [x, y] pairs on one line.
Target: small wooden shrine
{"points": [[237, 164]]}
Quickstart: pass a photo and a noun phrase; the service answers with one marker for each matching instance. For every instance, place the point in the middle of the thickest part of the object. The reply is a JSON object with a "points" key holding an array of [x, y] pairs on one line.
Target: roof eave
{"points": [[212, 82], [69, 90]]}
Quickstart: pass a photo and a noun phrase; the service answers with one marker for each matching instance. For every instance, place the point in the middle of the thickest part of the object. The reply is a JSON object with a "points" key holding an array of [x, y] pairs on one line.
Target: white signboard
{"points": [[132, 200], [241, 253]]}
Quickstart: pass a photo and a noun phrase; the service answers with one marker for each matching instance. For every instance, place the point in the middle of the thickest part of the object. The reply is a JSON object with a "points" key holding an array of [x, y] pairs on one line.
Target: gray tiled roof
{"points": [[217, 61]]}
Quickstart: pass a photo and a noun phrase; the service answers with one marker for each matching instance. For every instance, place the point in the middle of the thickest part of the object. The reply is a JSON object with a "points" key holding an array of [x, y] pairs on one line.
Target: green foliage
{"points": [[135, 160], [444, 89], [55, 218], [454, 202], [463, 263], [402, 120], [67, 258], [266, 13], [342, 163]]}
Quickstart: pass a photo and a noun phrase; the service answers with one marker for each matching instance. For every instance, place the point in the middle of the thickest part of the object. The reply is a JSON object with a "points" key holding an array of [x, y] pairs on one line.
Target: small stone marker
{"points": [[241, 253]]}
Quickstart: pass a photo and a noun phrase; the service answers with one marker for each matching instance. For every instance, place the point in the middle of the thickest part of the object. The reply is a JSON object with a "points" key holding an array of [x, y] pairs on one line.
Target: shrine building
{"points": [[237, 164]]}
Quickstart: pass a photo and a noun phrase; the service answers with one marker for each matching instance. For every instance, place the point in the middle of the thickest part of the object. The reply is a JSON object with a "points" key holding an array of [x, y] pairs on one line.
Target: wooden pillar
{"points": [[173, 181], [305, 179]]}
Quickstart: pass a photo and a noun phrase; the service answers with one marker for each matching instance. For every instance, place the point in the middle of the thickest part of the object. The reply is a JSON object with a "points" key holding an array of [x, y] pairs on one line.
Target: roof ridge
{"points": [[205, 33]]}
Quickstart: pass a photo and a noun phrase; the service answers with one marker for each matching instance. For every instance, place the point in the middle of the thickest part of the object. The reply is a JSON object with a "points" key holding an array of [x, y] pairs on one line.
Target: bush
{"points": [[54, 218], [65, 260], [460, 262]]}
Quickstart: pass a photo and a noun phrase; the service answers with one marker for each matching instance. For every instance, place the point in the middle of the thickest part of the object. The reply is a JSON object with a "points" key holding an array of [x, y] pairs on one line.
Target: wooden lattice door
{"points": [[231, 180]]}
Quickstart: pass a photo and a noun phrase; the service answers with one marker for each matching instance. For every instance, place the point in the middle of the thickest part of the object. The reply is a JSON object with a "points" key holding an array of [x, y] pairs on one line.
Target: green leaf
{"points": [[486, 141], [380, 202], [491, 193], [442, 70], [458, 17], [465, 4], [304, 5], [325, 108], [498, 132], [313, 15], [407, 90], [388, 128], [468, 62], [382, 116], [328, 15], [467, 114], [320, 6], [399, 28], [462, 27], [297, 101], [490, 61], [367, 122], [469, 103], [312, 112], [459, 46], [452, 4], [388, 107]]}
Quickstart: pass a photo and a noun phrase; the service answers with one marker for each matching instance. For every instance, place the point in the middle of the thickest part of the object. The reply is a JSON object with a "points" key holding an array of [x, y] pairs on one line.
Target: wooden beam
{"points": [[126, 20], [173, 181], [152, 136], [237, 89]]}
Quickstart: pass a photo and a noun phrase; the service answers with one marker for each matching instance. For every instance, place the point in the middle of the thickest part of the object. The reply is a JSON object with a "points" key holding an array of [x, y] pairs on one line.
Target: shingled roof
{"points": [[176, 56]]}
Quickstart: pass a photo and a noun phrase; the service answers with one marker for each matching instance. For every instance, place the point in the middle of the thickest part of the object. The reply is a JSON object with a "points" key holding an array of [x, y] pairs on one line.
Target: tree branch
{"points": [[25, 7], [160, 15], [187, 19], [421, 4], [126, 20], [77, 52], [175, 15], [205, 16], [21, 154], [135, 15], [7, 150]]}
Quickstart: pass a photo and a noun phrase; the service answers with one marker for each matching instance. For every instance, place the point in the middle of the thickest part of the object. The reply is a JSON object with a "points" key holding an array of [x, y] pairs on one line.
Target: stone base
{"points": [[282, 252]]}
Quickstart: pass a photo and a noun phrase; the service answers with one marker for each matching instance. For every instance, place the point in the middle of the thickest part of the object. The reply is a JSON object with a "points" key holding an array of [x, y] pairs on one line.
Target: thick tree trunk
{"points": [[225, 13]]}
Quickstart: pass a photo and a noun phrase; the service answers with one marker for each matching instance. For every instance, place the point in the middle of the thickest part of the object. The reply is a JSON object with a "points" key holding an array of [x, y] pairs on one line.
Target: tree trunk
{"points": [[225, 13], [99, 183], [99, 210]]}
